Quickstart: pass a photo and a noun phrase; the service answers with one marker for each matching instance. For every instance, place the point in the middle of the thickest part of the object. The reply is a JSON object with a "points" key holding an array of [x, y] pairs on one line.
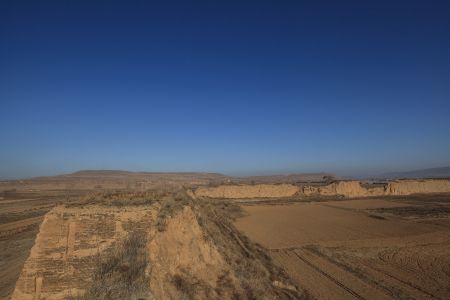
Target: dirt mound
{"points": [[349, 189], [407, 187], [352, 189], [344, 188], [247, 191], [183, 263]]}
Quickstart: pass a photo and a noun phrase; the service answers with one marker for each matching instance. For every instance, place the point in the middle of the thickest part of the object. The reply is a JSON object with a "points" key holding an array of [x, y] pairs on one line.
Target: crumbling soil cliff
{"points": [[184, 264], [344, 188], [348, 189], [352, 189], [407, 187], [70, 241], [247, 191]]}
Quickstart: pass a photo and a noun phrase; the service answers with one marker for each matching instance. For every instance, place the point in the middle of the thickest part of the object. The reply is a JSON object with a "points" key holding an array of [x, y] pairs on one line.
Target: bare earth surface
{"points": [[365, 204], [358, 249], [395, 247], [297, 225], [15, 247]]}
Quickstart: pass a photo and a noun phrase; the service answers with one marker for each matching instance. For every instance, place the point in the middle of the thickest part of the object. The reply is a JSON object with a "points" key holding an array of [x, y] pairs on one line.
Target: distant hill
{"points": [[423, 173], [118, 179], [108, 174], [289, 178], [120, 174]]}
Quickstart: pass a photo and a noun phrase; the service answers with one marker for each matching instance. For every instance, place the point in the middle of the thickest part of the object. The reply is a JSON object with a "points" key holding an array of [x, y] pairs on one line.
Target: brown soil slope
{"points": [[181, 255]]}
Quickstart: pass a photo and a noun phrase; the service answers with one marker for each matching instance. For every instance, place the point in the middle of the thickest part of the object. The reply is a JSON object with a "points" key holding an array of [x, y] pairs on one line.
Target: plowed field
{"points": [[352, 250]]}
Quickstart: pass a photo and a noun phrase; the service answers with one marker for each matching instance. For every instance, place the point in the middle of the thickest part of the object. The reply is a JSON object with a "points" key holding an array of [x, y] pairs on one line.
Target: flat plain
{"points": [[395, 247]]}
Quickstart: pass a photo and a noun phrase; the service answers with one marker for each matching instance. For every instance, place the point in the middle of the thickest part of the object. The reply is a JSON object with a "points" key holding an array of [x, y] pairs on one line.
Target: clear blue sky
{"points": [[234, 87]]}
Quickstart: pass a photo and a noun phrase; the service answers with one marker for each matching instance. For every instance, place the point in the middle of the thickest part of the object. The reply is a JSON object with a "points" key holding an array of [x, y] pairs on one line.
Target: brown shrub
{"points": [[121, 273], [170, 205]]}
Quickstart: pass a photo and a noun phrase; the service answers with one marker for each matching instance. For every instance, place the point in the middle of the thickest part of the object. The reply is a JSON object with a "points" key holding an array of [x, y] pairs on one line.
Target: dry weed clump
{"points": [[170, 205], [170, 201], [125, 198], [122, 272], [191, 287]]}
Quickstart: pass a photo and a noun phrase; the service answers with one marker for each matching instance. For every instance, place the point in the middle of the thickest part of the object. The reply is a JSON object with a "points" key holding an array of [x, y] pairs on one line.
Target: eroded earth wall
{"points": [[353, 189], [349, 189], [184, 261], [343, 188], [407, 187], [64, 257], [248, 191]]}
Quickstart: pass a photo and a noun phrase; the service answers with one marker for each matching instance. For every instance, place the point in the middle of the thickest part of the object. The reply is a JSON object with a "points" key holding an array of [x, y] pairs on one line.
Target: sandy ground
{"points": [[297, 225], [365, 204], [352, 250]]}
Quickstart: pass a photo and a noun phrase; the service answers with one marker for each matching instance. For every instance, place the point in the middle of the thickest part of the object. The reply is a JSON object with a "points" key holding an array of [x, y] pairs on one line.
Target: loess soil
{"points": [[143, 245], [390, 248], [155, 240]]}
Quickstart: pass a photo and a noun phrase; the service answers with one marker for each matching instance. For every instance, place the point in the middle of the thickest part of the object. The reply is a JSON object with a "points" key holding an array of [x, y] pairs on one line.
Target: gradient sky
{"points": [[233, 87]]}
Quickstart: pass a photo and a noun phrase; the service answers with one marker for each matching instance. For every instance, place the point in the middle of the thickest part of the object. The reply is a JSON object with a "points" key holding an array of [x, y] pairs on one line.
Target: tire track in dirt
{"points": [[405, 259], [318, 282], [400, 288], [390, 258], [337, 282], [396, 278], [403, 282], [346, 276]]}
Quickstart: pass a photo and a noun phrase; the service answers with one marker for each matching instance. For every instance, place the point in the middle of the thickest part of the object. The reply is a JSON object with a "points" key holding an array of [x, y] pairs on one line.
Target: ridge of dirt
{"points": [[70, 239], [352, 189], [348, 189], [123, 246], [247, 191]]}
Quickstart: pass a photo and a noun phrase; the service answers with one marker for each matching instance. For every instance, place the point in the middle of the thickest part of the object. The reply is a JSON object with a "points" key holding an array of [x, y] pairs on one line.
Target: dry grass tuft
{"points": [[165, 197], [122, 273], [170, 205]]}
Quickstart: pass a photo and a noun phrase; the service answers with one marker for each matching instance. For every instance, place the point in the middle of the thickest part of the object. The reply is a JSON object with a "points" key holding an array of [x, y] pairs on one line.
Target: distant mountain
{"points": [[423, 173], [123, 175]]}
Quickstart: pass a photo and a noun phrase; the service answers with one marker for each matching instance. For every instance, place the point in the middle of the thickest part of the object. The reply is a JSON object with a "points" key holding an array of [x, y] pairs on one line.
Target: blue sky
{"points": [[235, 87]]}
